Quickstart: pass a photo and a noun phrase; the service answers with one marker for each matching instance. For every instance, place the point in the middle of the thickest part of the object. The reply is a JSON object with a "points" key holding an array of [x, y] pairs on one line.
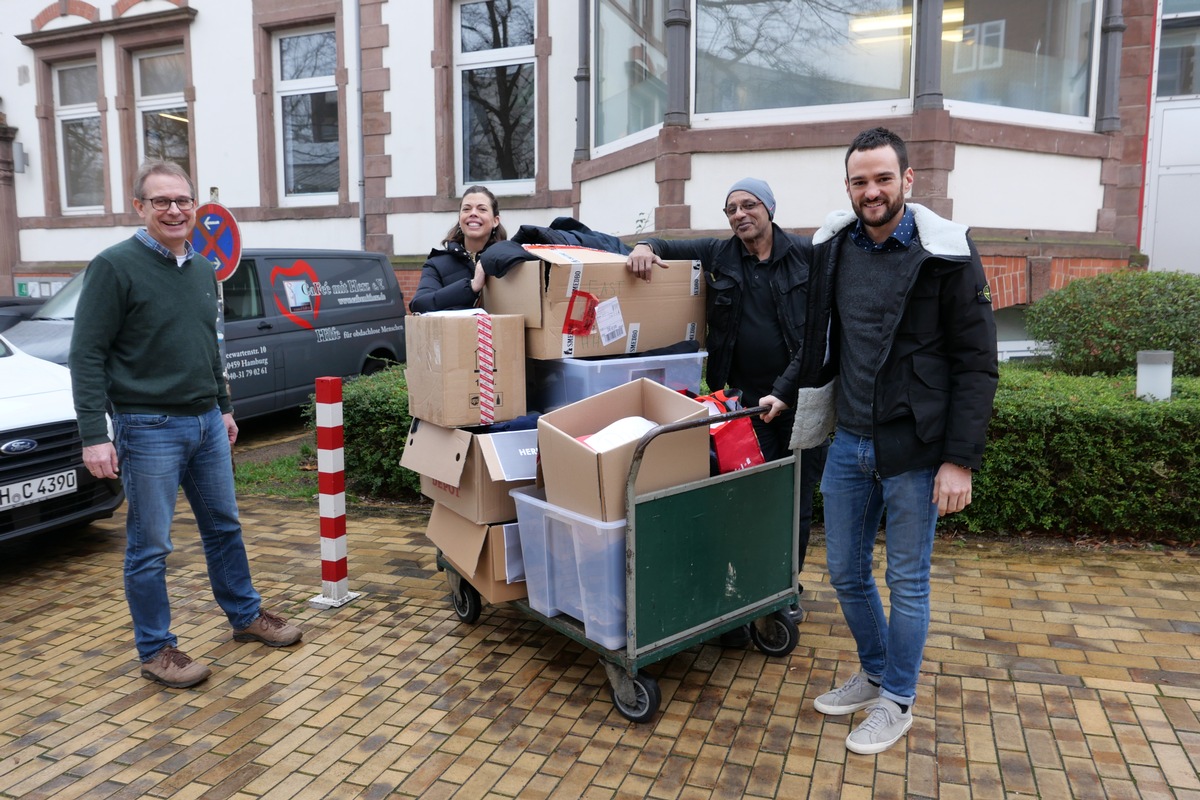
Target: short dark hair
{"points": [[874, 138], [159, 168]]}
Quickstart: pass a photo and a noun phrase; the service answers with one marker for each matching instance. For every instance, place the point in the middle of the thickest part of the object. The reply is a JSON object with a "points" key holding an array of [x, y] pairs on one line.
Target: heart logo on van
{"points": [[300, 269]]}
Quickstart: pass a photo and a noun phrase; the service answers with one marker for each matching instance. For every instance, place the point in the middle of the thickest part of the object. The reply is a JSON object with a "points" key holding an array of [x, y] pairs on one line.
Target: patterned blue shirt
{"points": [[145, 238], [900, 239]]}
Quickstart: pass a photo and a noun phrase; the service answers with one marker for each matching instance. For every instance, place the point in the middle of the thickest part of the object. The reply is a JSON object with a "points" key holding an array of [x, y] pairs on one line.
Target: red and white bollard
{"points": [[331, 484]]}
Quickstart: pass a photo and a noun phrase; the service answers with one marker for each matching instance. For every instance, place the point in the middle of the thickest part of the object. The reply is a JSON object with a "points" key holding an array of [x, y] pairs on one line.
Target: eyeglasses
{"points": [[163, 203], [746, 206]]}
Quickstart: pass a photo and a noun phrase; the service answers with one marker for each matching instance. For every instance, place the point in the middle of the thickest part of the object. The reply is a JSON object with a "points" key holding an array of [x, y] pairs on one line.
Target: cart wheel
{"points": [[776, 635], [647, 696], [467, 602]]}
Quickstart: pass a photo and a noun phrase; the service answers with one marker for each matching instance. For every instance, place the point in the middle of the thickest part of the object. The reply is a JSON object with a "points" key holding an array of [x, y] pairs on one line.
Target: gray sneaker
{"points": [[882, 728], [175, 668], [853, 695]]}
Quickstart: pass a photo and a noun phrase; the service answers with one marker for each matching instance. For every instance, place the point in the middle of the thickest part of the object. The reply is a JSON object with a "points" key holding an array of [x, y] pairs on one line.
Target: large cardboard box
{"points": [[471, 473], [487, 556], [581, 302], [593, 484], [448, 353]]}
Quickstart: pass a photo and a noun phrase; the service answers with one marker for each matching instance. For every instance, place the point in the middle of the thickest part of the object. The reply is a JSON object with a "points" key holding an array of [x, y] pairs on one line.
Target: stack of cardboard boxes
{"points": [[546, 320]]}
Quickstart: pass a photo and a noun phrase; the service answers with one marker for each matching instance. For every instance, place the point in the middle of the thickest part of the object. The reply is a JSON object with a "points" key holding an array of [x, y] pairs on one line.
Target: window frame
{"points": [[521, 55], [69, 113], [833, 112], [172, 100], [966, 109], [281, 88]]}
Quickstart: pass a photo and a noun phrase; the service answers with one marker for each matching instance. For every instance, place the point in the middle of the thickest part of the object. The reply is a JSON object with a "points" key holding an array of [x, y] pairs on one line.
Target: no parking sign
{"points": [[217, 238]]}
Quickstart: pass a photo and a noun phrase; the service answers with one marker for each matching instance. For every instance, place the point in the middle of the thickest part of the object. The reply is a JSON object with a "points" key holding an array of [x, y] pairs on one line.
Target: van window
{"points": [[243, 297]]}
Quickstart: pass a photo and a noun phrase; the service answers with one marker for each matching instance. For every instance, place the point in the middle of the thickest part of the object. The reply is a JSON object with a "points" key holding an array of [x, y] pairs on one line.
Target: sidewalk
{"points": [[1053, 674]]}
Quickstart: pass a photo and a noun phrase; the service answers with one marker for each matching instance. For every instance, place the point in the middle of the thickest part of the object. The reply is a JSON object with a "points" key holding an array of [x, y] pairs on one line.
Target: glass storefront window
{"points": [[631, 67], [1029, 54], [795, 53]]}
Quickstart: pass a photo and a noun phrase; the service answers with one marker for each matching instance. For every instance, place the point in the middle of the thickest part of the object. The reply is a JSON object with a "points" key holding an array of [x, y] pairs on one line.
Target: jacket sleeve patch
{"points": [[983, 294]]}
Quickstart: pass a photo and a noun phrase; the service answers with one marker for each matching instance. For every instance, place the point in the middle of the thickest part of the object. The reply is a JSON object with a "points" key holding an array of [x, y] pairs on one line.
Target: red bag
{"points": [[733, 443]]}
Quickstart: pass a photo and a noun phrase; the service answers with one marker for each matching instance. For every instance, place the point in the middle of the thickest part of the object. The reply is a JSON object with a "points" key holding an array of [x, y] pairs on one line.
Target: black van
{"points": [[291, 316]]}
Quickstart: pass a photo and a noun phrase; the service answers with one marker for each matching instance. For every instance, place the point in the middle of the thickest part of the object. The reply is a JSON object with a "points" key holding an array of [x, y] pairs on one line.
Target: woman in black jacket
{"points": [[453, 277]]}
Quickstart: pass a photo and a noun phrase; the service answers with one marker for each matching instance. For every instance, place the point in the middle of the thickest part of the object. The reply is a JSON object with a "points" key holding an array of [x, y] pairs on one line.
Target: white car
{"points": [[43, 483]]}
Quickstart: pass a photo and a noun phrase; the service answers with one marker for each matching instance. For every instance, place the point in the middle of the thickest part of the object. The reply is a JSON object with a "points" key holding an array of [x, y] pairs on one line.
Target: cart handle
{"points": [[671, 427]]}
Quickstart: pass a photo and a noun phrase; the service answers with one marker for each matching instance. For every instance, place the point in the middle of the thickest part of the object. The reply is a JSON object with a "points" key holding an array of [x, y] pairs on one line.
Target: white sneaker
{"points": [[853, 695], [882, 728]]}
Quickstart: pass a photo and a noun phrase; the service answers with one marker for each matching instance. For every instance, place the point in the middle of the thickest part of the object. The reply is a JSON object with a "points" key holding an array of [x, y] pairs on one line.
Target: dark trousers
{"points": [[773, 438]]}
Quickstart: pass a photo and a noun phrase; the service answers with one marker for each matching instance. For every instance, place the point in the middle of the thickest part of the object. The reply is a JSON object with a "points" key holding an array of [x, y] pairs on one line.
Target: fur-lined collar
{"points": [[938, 235]]}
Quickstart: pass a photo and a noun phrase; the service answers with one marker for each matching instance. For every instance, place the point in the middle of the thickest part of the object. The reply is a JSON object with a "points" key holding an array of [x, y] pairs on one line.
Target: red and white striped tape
{"points": [[331, 485], [487, 370]]}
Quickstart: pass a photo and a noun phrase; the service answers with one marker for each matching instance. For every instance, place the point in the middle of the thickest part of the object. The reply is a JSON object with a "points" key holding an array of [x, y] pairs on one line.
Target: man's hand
{"points": [[101, 460], [776, 407], [231, 428], [952, 489], [642, 261]]}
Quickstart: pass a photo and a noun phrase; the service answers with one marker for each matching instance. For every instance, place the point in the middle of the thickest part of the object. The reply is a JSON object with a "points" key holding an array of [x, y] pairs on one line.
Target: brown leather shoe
{"points": [[270, 630], [174, 668]]}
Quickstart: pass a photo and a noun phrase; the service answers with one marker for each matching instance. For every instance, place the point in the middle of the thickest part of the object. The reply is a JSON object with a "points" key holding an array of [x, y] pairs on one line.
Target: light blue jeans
{"points": [[890, 647], [158, 454]]}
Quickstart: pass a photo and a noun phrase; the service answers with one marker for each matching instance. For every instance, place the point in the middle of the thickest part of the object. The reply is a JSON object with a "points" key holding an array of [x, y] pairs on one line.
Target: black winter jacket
{"points": [[445, 283], [721, 259], [936, 373]]}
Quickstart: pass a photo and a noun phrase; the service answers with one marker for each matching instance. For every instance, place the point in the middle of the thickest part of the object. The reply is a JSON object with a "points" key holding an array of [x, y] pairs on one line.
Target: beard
{"points": [[885, 214]]}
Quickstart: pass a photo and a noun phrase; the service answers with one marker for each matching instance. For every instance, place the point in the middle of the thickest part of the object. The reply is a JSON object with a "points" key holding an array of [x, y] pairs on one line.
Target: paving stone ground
{"points": [[1048, 673]]}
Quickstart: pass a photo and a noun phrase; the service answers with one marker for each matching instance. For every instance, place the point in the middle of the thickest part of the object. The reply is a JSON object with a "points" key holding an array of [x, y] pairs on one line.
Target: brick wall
{"points": [[408, 276], [1020, 280]]}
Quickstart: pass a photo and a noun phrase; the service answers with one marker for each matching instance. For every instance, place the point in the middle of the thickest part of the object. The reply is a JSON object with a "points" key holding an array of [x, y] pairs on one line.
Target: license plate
{"points": [[22, 493]]}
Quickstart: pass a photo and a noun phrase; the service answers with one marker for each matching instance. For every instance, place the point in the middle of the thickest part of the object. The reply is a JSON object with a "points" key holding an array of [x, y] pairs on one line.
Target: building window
{"points": [[786, 54], [80, 143], [163, 128], [1179, 56], [631, 67], [1035, 55], [306, 108], [496, 91]]}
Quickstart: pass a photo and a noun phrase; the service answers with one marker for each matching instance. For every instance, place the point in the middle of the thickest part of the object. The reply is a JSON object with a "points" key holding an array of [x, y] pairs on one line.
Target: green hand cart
{"points": [[700, 559]]}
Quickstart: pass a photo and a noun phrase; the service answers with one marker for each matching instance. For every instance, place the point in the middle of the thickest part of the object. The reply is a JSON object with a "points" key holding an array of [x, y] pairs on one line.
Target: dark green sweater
{"points": [[145, 338]]}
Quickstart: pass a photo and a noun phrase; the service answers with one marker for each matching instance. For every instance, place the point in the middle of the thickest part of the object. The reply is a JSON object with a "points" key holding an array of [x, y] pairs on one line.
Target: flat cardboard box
{"points": [[471, 473], [444, 367], [479, 553], [633, 315], [579, 479]]}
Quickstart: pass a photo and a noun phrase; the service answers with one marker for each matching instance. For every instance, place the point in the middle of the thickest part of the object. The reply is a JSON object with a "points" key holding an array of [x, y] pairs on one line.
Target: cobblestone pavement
{"points": [[1053, 674]]}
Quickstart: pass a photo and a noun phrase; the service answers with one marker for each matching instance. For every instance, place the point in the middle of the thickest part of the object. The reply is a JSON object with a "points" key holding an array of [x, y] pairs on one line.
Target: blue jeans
{"points": [[890, 647], [158, 454]]}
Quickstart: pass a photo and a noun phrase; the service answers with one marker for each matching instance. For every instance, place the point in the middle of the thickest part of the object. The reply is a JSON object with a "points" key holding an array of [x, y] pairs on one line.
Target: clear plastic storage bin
{"points": [[574, 565], [556, 383]]}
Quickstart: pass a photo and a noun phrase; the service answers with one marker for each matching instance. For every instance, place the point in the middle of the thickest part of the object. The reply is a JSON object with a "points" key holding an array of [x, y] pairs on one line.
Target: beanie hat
{"points": [[759, 189]]}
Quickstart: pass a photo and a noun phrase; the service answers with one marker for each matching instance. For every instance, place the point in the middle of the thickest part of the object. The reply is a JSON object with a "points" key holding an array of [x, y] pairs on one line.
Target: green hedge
{"points": [[1082, 455], [376, 422], [1098, 325]]}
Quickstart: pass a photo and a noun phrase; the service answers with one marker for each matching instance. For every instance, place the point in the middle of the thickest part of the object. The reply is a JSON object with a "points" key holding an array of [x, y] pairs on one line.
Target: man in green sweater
{"points": [[145, 340]]}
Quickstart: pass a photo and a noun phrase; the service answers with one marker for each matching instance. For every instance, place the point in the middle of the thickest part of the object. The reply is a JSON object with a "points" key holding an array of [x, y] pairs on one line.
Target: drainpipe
{"points": [[583, 86], [362, 158], [678, 24], [928, 77], [1112, 38]]}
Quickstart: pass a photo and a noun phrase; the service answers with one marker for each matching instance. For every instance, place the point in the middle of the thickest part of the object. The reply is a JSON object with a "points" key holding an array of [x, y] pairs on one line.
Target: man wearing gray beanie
{"points": [[757, 304]]}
